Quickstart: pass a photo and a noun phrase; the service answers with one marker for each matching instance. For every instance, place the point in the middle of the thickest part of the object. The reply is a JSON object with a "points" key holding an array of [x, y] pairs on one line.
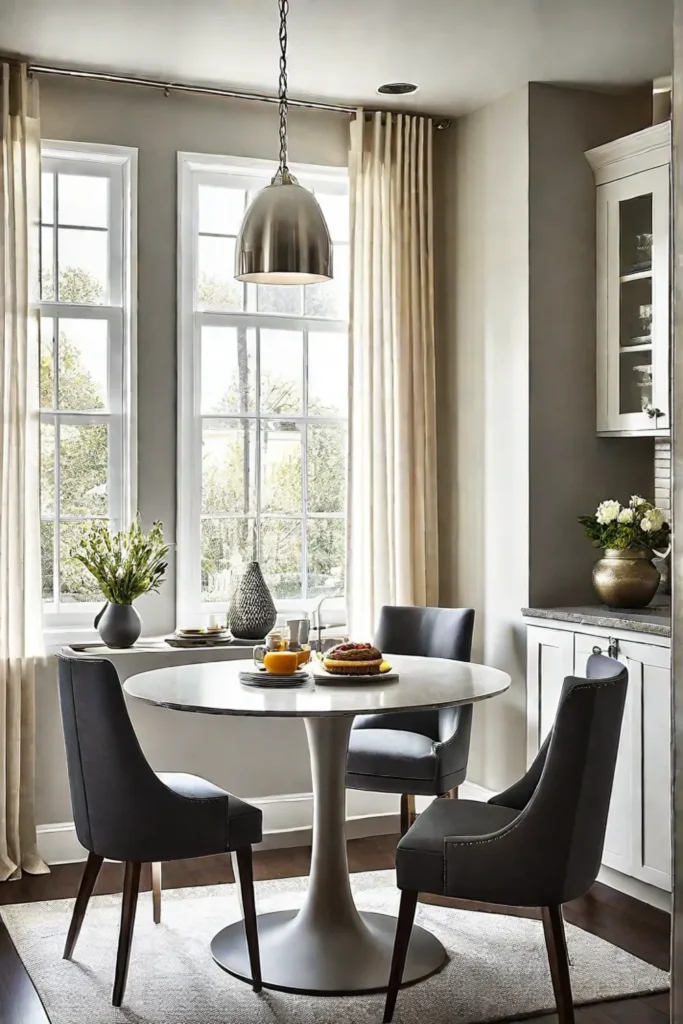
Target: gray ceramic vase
{"points": [[119, 625], [252, 614]]}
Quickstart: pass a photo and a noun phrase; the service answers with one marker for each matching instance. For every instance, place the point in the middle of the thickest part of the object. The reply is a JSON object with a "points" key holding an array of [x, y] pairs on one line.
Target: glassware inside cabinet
{"points": [[635, 235], [635, 381], [635, 304]]}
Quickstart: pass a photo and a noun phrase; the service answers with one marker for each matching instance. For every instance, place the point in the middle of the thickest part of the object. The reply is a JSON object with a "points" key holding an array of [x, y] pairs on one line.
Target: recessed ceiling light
{"points": [[397, 88]]}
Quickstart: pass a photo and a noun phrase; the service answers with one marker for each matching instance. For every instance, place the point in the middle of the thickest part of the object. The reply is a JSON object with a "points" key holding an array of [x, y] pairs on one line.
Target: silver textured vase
{"points": [[625, 578], [252, 614], [119, 625]]}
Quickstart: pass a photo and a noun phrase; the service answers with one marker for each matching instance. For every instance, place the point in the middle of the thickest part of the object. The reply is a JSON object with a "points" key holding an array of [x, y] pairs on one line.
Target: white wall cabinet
{"points": [[632, 267], [638, 836]]}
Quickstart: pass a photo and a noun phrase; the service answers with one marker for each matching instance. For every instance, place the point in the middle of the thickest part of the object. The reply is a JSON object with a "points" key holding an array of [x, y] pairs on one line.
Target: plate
{"points": [[206, 641], [324, 678], [201, 634], [270, 681]]}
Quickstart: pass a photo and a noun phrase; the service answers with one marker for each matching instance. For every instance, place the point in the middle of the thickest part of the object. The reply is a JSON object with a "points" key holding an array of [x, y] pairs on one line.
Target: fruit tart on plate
{"points": [[351, 659]]}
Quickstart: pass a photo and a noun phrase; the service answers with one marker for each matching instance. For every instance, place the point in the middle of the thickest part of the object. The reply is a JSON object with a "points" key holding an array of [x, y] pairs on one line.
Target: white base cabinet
{"points": [[638, 837]]}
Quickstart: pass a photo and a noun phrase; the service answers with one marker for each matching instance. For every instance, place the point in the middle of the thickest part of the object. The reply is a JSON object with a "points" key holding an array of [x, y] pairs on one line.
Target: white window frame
{"points": [[196, 169], [67, 621]]}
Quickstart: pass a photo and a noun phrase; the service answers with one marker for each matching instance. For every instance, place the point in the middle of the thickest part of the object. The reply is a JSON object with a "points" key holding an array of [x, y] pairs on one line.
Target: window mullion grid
{"points": [[257, 459], [115, 403], [113, 313], [57, 543], [304, 472], [55, 237], [57, 560], [251, 319]]}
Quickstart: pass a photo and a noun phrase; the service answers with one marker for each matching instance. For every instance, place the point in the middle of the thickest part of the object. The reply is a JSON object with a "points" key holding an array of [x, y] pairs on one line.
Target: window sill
{"points": [[56, 637]]}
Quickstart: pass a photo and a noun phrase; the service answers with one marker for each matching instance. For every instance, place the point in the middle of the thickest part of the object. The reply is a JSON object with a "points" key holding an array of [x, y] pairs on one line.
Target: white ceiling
{"points": [[461, 53]]}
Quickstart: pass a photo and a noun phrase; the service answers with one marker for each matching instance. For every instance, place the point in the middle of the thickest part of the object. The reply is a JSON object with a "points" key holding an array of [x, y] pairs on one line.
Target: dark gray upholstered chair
{"points": [[125, 811], [421, 752], [537, 844]]}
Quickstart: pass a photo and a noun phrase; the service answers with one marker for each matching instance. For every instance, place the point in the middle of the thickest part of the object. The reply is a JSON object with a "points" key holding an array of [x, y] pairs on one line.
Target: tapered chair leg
{"points": [[156, 892], [556, 943], [404, 927], [407, 811], [244, 874], [88, 879], [131, 887]]}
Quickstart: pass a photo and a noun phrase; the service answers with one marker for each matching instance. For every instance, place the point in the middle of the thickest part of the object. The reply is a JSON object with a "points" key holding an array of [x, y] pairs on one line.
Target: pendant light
{"points": [[284, 237]]}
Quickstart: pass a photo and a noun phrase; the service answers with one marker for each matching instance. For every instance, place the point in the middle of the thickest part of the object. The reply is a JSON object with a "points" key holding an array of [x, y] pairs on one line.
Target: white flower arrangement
{"points": [[640, 525]]}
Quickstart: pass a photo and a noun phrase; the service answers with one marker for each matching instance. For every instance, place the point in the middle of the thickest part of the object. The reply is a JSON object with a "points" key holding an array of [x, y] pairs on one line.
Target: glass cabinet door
{"points": [[633, 303]]}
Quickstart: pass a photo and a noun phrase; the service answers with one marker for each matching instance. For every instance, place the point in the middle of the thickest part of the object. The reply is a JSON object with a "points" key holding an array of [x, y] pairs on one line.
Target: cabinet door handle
{"points": [[612, 648], [652, 411]]}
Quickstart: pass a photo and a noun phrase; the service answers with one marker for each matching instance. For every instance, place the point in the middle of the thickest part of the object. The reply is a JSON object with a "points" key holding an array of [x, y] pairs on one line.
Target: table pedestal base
{"points": [[327, 946], [298, 958]]}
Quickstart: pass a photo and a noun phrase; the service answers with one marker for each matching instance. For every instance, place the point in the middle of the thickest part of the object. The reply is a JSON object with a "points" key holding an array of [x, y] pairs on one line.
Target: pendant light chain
{"points": [[282, 90], [283, 239]]}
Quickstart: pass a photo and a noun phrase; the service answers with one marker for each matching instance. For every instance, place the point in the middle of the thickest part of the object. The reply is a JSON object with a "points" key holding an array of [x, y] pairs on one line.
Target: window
{"points": [[85, 361], [263, 400]]}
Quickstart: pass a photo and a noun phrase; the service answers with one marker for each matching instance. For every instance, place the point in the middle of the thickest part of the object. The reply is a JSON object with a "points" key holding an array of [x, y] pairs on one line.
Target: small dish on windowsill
{"points": [[211, 636]]}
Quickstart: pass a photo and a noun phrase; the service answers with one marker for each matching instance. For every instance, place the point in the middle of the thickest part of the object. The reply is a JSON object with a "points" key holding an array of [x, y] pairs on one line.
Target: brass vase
{"points": [[625, 578]]}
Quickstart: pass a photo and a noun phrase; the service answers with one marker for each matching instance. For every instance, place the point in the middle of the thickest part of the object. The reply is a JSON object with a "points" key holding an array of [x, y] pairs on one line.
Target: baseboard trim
{"points": [[287, 821], [642, 891]]}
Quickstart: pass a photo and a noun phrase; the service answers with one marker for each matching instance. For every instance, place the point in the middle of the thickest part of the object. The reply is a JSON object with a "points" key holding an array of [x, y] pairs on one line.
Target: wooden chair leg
{"points": [[556, 943], [131, 888], [156, 891], [404, 927], [244, 874], [88, 879], [407, 811]]}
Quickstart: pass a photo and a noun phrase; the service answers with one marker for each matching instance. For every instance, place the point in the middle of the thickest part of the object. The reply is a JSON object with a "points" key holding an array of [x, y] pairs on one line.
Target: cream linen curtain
{"points": [[20, 590], [392, 553]]}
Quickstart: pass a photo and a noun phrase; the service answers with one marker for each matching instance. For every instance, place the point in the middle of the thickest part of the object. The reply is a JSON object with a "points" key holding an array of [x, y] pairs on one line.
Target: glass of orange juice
{"points": [[282, 663]]}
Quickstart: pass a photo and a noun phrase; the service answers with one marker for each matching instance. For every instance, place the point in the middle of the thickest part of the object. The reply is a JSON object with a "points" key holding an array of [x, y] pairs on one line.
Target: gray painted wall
{"points": [[571, 469], [483, 405], [253, 758], [518, 455]]}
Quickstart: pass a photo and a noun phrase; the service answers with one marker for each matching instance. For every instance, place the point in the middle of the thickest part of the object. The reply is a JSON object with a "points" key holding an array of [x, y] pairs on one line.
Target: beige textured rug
{"points": [[498, 967]]}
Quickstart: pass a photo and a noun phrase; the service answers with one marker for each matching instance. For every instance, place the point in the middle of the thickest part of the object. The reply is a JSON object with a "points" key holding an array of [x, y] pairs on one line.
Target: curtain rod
{"points": [[202, 90]]}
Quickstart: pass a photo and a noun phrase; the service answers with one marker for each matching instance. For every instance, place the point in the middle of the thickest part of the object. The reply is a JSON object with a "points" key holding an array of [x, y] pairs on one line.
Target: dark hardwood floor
{"points": [[627, 923]]}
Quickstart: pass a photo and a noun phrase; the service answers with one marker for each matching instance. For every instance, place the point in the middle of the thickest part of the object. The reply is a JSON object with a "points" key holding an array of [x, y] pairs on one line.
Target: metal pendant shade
{"points": [[284, 237]]}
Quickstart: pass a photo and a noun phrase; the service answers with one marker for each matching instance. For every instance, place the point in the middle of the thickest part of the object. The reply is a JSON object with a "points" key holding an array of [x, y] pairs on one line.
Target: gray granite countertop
{"points": [[655, 619]]}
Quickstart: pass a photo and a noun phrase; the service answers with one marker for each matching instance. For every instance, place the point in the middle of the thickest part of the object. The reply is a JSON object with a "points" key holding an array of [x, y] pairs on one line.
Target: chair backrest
{"points": [[111, 782], [565, 795], [427, 633]]}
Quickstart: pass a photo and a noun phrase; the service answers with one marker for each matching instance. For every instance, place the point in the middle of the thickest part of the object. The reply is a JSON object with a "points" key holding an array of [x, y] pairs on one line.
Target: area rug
{"points": [[497, 970]]}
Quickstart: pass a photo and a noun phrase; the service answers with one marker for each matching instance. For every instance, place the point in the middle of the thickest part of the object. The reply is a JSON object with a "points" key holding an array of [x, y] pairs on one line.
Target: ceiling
{"points": [[461, 53]]}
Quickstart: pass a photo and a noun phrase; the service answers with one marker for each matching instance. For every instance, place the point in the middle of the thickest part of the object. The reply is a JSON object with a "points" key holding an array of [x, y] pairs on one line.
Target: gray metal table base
{"points": [[327, 947]]}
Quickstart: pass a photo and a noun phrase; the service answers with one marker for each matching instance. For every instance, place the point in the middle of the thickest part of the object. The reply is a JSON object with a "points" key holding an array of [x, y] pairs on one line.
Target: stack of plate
{"points": [[269, 680], [199, 638]]}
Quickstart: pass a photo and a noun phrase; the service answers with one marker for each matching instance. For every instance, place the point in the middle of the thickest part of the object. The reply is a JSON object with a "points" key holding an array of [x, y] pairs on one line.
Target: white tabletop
{"points": [[423, 683]]}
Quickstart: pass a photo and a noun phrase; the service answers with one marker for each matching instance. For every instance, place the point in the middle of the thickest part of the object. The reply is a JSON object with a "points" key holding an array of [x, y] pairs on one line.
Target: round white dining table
{"points": [[327, 946]]}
